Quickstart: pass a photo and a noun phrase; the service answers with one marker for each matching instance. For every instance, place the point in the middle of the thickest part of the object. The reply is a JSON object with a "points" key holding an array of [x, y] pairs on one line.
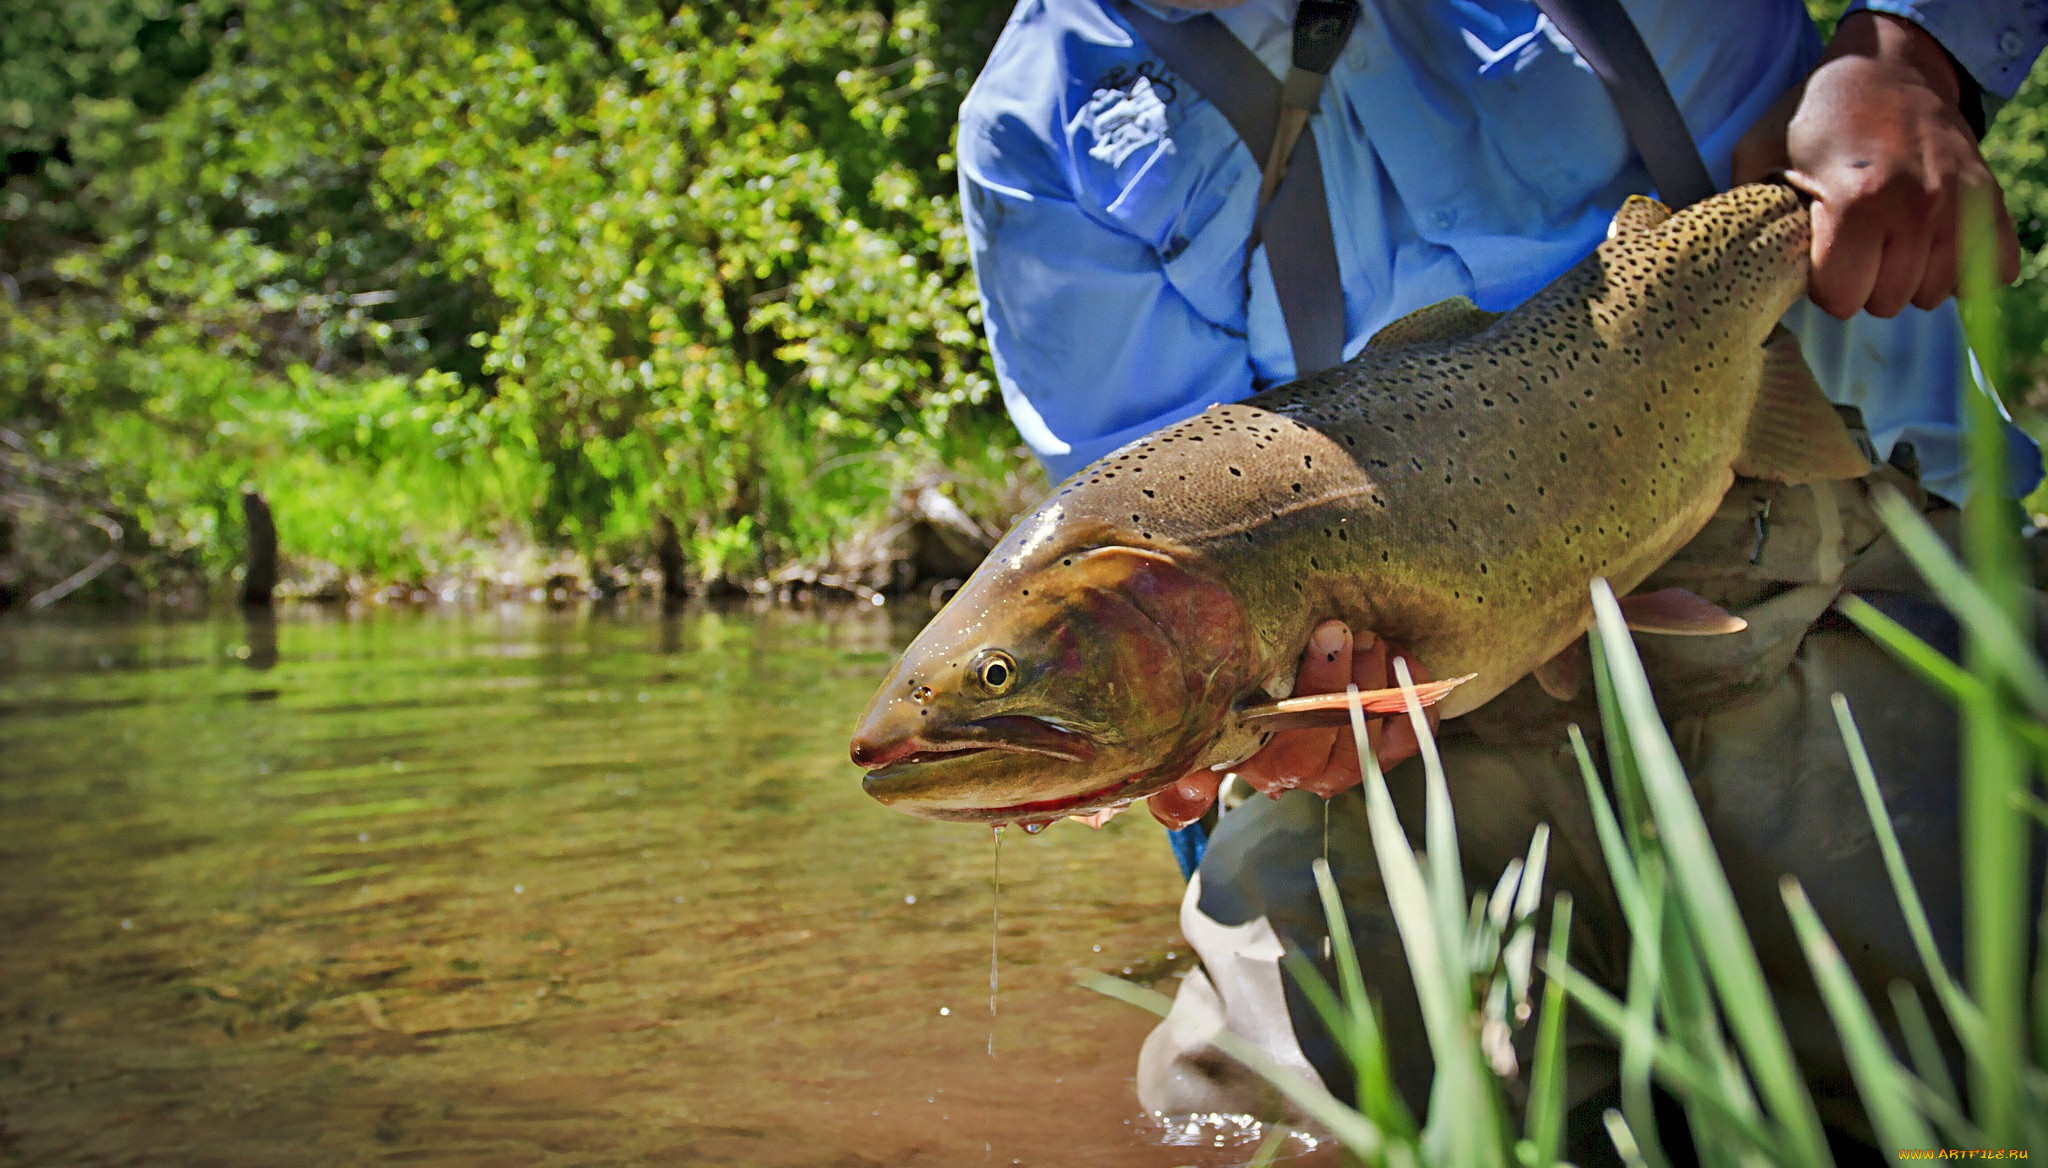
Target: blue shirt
{"points": [[1466, 150]]}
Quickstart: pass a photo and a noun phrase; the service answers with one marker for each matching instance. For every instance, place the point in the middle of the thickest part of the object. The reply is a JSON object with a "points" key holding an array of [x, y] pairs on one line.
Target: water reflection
{"points": [[259, 625], [508, 884]]}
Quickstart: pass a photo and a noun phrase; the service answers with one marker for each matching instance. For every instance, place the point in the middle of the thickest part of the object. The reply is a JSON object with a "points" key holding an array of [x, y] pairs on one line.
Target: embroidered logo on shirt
{"points": [[1126, 120]]}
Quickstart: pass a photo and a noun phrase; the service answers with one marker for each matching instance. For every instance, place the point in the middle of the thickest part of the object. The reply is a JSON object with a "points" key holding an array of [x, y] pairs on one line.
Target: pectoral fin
{"points": [[1676, 612], [1795, 435], [1446, 320], [1321, 711], [1565, 674]]}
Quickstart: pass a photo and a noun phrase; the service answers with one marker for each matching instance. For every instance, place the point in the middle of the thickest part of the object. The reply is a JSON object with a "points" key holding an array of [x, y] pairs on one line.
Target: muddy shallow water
{"points": [[518, 887]]}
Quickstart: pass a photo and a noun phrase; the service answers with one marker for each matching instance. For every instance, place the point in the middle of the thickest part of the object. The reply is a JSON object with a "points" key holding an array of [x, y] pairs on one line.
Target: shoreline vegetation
{"points": [[524, 294]]}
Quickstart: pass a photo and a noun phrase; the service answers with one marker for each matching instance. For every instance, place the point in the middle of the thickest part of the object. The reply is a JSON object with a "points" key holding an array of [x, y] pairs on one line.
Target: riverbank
{"points": [[917, 537]]}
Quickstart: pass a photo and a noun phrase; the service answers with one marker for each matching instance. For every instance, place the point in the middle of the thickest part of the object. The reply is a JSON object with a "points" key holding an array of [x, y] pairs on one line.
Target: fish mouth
{"points": [[927, 794], [942, 778], [1013, 733]]}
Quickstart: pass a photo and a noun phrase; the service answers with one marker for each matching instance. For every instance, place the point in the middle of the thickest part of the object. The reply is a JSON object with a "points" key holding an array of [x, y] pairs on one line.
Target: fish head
{"points": [[1742, 258], [1077, 678]]}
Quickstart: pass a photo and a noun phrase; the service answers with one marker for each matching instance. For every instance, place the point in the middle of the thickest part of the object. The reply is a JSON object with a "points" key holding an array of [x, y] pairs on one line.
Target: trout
{"points": [[1455, 489]]}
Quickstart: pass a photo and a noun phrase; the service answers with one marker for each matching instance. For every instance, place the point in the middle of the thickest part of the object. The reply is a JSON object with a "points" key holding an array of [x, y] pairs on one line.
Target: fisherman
{"points": [[1139, 263]]}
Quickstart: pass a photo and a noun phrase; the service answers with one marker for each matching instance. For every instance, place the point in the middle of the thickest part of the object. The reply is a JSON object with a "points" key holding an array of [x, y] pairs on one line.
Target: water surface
{"points": [[516, 887]]}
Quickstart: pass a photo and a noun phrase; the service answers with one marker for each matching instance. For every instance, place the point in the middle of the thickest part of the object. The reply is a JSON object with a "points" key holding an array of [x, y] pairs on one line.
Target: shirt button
{"points": [[2010, 44], [1442, 218], [1357, 55]]}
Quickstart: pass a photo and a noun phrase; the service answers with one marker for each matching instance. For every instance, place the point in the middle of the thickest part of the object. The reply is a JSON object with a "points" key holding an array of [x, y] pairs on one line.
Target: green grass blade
{"points": [[1689, 1008], [1963, 1015], [1439, 828], [1703, 889], [1354, 1131], [1342, 949], [1614, 846], [1678, 1071], [1879, 1078], [1984, 616], [1929, 1063], [1544, 1119], [1324, 1001], [1364, 1045], [1932, 667], [1624, 1140], [1500, 906], [1358, 1028], [1444, 995], [2041, 992], [1269, 1149], [1443, 988], [1646, 950], [1631, 808], [1519, 955], [2032, 805]]}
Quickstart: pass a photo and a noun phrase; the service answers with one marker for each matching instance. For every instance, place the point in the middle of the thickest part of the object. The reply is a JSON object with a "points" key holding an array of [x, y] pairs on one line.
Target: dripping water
{"points": [[1326, 865], [995, 918]]}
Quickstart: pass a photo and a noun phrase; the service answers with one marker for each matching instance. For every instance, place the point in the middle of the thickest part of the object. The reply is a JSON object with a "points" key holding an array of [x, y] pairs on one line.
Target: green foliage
{"points": [[633, 261], [699, 260]]}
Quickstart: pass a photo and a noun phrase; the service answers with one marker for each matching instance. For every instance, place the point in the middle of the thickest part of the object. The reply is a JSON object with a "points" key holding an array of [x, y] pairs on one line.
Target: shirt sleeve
{"points": [[1996, 40], [1093, 344]]}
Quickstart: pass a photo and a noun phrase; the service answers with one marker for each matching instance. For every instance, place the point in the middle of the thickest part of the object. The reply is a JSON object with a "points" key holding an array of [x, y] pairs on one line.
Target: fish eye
{"points": [[995, 670]]}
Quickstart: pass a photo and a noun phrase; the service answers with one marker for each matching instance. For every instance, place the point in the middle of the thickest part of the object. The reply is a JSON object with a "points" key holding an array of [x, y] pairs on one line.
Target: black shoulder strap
{"points": [[1301, 250], [1608, 40], [1295, 224]]}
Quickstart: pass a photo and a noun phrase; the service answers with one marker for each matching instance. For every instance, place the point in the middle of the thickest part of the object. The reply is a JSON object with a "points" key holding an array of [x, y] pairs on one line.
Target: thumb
{"points": [[1186, 800]]}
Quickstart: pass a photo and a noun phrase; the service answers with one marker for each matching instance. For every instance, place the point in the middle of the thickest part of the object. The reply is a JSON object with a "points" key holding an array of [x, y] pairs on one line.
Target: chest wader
{"points": [[1750, 712]]}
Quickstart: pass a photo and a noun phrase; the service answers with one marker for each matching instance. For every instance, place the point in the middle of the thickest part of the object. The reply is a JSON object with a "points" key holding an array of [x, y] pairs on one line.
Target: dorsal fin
{"points": [[1446, 320], [1795, 435], [1638, 213]]}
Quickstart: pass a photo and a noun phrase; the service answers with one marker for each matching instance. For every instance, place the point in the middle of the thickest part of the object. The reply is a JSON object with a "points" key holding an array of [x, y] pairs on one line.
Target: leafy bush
{"points": [[628, 258], [634, 261]]}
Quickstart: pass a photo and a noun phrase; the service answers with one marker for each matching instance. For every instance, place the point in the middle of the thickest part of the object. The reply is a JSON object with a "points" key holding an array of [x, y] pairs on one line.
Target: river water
{"points": [[510, 886]]}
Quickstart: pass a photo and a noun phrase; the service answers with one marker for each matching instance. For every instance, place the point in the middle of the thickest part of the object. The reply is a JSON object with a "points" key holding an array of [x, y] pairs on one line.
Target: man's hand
{"points": [[1875, 137], [1323, 761]]}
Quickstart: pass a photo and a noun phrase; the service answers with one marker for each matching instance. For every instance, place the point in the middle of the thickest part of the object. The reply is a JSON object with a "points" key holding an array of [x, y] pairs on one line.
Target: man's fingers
{"points": [[1186, 801], [1294, 755], [1938, 279], [1846, 260], [1397, 743], [1899, 275]]}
